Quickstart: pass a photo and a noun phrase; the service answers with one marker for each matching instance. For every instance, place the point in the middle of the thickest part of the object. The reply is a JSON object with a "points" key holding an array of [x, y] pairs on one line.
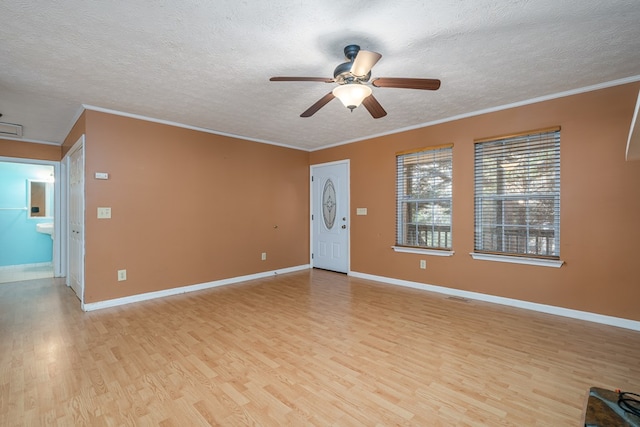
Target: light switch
{"points": [[104, 213], [102, 175], [361, 211]]}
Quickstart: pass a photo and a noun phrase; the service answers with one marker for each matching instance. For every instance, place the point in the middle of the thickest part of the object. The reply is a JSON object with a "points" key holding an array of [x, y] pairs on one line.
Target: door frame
{"points": [[59, 255], [80, 143], [347, 162]]}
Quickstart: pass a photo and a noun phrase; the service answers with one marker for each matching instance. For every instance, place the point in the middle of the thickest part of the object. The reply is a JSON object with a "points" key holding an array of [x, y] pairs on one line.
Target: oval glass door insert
{"points": [[329, 204]]}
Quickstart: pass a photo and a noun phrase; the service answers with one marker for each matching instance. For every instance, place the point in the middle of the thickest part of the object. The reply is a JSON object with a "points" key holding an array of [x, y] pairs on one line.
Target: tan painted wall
{"points": [[190, 207], [27, 150], [600, 206], [187, 207], [78, 129]]}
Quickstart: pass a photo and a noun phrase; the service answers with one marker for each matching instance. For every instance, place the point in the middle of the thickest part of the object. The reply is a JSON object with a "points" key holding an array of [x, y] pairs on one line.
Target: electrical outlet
{"points": [[122, 275], [264, 256], [423, 264]]}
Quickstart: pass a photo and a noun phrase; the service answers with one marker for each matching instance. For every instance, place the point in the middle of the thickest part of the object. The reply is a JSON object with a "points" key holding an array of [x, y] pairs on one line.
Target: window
{"points": [[517, 195], [424, 198]]}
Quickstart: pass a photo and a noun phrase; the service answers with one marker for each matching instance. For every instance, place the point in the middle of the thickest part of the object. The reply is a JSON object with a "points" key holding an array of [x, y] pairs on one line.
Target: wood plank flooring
{"points": [[308, 348]]}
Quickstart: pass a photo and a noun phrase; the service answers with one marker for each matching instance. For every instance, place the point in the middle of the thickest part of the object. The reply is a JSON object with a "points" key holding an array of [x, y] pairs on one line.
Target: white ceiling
{"points": [[206, 64]]}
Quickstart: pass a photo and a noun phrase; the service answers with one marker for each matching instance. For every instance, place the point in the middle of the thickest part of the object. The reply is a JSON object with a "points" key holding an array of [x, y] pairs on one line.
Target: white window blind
{"points": [[517, 195], [423, 194]]}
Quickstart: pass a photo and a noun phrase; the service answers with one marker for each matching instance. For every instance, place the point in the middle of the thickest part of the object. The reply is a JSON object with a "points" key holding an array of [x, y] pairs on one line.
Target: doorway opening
{"points": [[27, 219]]}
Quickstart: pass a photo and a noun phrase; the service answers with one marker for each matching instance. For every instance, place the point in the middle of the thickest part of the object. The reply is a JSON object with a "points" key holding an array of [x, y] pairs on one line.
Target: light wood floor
{"points": [[306, 348]]}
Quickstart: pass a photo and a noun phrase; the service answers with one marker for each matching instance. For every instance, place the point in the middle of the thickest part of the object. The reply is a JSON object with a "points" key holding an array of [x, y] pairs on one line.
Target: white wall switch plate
{"points": [[423, 264], [104, 213], [264, 256], [122, 275], [361, 211], [102, 175]]}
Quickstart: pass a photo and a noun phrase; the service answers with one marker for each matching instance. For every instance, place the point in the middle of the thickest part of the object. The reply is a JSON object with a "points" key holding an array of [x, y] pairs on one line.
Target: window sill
{"points": [[422, 251], [518, 260]]}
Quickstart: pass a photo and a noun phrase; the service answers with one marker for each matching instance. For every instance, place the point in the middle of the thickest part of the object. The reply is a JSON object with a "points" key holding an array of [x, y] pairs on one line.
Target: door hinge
{"points": [[311, 217], [311, 256]]}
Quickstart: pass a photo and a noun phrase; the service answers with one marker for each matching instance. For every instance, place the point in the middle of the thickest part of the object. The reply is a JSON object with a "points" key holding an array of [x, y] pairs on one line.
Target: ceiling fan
{"points": [[353, 78]]}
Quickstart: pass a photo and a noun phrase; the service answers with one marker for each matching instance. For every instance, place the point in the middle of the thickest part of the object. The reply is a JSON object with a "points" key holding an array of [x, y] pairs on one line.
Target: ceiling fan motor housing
{"points": [[351, 51], [342, 73]]}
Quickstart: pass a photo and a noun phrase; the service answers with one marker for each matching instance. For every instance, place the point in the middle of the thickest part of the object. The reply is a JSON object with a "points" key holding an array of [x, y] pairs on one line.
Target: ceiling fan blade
{"points": [[373, 106], [318, 105], [302, 79], [399, 82], [364, 62]]}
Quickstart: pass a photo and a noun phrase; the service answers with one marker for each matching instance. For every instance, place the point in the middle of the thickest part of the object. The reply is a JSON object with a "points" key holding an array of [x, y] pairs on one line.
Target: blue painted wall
{"points": [[20, 243]]}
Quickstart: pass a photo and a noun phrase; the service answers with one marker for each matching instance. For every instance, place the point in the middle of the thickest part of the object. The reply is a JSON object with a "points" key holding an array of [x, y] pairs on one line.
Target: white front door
{"points": [[75, 211], [330, 216]]}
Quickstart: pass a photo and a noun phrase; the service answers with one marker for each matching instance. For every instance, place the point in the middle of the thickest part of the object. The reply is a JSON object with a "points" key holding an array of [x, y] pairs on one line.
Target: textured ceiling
{"points": [[207, 64]]}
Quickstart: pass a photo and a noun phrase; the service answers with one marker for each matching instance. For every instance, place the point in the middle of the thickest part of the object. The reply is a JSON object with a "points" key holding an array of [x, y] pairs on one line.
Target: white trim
{"points": [[60, 222], [541, 262], [634, 134], [543, 308], [423, 251], [578, 91], [9, 268], [185, 289], [181, 125], [28, 161], [78, 145], [31, 141]]}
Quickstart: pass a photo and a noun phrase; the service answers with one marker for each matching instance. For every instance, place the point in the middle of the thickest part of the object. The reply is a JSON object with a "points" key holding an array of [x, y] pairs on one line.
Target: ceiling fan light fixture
{"points": [[353, 88], [352, 94]]}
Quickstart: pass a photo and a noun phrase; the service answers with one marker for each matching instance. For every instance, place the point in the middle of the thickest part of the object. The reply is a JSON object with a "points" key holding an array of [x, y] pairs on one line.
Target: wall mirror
{"points": [[40, 197]]}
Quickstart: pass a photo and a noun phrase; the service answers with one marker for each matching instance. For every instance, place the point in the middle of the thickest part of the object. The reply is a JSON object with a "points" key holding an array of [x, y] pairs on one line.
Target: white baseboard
{"points": [[184, 289], [543, 308], [550, 309], [24, 267]]}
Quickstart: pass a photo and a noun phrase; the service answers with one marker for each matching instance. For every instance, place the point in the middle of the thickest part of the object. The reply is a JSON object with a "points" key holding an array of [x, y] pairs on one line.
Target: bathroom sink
{"points": [[46, 228]]}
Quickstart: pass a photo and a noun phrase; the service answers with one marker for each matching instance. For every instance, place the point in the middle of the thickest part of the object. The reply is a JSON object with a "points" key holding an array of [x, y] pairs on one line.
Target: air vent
{"points": [[9, 129]]}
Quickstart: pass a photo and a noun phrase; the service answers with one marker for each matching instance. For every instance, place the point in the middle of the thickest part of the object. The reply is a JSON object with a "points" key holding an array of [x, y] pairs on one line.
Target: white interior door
{"points": [[330, 216], [75, 228]]}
